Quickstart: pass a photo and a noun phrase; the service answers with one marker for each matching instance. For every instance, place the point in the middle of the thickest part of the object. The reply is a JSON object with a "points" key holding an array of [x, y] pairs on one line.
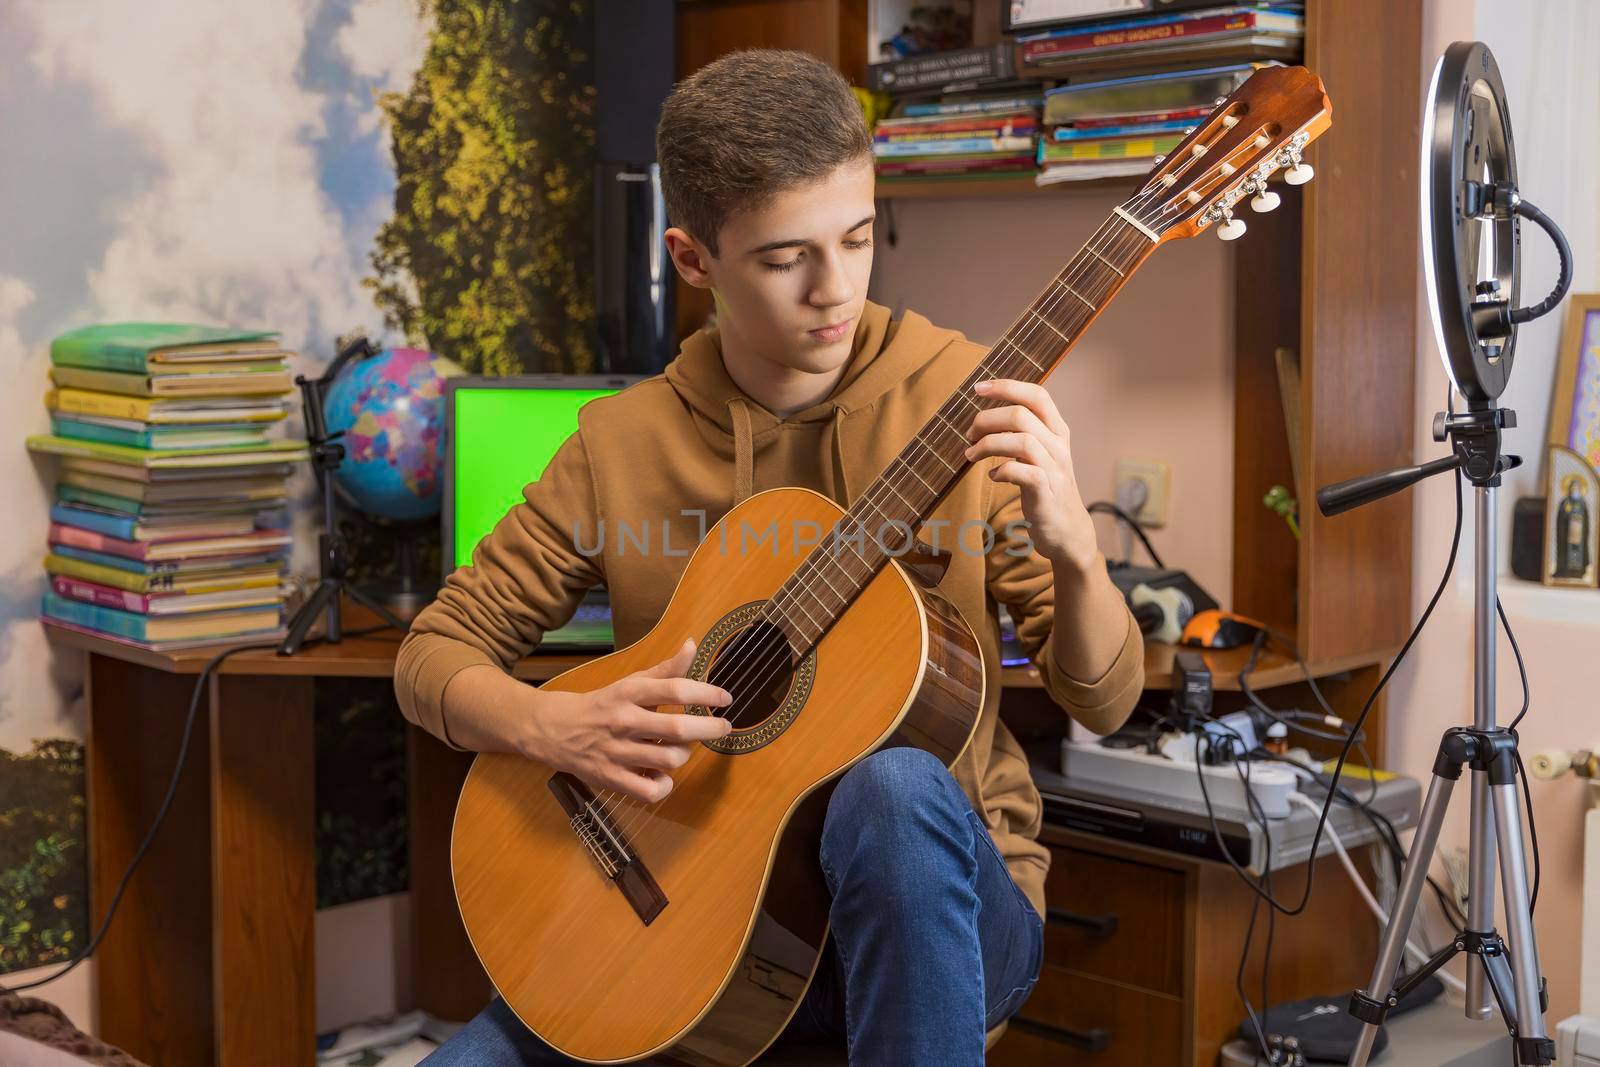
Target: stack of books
{"points": [[1119, 126], [168, 529], [1156, 42], [965, 138]]}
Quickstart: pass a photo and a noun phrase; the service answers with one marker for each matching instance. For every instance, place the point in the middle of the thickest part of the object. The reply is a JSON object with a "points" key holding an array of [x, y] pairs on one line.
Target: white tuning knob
{"points": [[1264, 201], [1231, 230], [1299, 174]]}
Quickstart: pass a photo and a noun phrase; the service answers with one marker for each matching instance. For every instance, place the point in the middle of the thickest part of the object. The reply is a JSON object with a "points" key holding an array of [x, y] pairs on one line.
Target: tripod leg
{"points": [[1533, 1044], [307, 615], [378, 609], [1480, 890], [1371, 1004]]}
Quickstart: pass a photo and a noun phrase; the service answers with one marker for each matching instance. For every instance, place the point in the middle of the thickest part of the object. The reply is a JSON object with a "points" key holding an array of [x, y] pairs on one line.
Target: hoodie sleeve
{"points": [[1021, 579], [526, 577]]}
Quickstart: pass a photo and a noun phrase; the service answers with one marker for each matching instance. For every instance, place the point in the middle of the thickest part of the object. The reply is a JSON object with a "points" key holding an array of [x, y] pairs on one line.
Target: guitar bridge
{"points": [[606, 846]]}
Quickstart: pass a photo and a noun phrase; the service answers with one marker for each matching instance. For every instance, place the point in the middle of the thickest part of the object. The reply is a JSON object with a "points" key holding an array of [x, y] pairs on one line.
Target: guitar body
{"points": [[700, 951]]}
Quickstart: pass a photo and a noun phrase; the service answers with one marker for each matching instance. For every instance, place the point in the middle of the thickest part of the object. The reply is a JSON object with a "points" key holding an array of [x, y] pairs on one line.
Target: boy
{"points": [[937, 882]]}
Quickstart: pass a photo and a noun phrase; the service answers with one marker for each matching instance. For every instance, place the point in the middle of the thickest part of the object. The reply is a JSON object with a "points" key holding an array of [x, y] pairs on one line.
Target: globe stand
{"points": [[333, 560], [405, 594]]}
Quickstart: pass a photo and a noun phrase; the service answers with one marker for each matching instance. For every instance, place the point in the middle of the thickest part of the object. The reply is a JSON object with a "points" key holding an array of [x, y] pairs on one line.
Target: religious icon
{"points": [[1572, 493]]}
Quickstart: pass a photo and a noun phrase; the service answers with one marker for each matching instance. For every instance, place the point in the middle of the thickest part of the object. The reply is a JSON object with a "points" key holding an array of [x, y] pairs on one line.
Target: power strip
{"points": [[1088, 761]]}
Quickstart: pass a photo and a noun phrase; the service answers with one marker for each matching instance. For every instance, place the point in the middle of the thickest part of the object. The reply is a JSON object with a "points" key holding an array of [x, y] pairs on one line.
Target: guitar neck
{"points": [[880, 523]]}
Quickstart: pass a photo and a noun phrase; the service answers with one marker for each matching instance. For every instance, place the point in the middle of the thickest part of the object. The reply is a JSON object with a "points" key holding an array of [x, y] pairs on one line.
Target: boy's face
{"points": [[789, 269]]}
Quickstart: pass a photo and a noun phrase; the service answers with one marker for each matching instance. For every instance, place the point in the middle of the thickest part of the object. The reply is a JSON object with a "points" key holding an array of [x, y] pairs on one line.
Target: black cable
{"points": [[1563, 253], [161, 812], [1108, 508]]}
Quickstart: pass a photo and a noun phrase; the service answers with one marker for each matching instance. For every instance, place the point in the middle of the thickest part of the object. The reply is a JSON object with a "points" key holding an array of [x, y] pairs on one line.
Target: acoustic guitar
{"points": [[688, 931]]}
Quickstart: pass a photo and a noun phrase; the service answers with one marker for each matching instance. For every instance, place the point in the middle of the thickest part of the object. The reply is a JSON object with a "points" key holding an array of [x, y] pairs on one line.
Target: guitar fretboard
{"points": [[881, 522]]}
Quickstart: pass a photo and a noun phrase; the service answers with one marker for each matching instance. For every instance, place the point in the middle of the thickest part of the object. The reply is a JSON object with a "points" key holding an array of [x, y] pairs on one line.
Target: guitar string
{"points": [[778, 656], [771, 662], [1120, 243], [1188, 162]]}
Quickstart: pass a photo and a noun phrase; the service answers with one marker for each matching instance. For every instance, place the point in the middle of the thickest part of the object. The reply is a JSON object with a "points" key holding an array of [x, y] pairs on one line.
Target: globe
{"points": [[391, 409]]}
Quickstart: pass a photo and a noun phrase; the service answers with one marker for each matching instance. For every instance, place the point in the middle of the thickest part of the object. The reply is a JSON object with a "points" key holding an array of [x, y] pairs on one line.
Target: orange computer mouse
{"points": [[1219, 629]]}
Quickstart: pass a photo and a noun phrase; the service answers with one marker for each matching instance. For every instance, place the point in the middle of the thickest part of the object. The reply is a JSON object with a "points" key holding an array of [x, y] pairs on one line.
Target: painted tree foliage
{"points": [[488, 259], [43, 872]]}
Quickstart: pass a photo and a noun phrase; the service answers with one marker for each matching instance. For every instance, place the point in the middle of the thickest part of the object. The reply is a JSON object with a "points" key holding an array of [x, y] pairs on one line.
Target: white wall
{"points": [[1546, 56]]}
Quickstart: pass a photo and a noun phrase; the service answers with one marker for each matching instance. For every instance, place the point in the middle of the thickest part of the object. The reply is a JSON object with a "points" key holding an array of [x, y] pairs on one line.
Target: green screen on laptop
{"points": [[503, 438]]}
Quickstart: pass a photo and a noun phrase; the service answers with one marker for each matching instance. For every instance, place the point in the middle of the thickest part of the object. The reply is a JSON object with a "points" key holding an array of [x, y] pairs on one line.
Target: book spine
{"points": [[984, 63], [991, 129], [57, 563], [105, 404], [95, 617], [111, 435], [105, 596], [73, 537], [73, 352], [1091, 133], [74, 494], [941, 148], [968, 107], [1134, 36], [81, 519]]}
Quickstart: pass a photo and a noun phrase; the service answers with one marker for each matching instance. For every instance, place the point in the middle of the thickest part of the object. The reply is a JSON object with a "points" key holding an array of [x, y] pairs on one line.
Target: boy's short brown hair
{"points": [[738, 131]]}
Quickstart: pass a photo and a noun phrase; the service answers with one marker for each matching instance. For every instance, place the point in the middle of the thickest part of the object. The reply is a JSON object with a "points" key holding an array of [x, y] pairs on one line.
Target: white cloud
{"points": [[234, 227], [384, 43]]}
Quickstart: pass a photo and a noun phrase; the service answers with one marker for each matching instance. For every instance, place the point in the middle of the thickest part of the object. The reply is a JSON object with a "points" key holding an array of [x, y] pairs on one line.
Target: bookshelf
{"points": [[1330, 275]]}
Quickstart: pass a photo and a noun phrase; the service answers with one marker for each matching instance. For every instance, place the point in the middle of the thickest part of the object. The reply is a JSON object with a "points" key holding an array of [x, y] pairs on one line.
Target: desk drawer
{"points": [[1115, 919], [1071, 1019]]}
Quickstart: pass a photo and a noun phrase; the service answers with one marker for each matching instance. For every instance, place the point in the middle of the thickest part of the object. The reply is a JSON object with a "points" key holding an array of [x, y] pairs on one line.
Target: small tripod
{"points": [[1511, 969], [332, 559]]}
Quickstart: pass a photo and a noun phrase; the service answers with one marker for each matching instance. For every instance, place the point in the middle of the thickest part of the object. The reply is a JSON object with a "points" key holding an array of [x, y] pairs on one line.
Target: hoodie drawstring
{"points": [[743, 463], [838, 453]]}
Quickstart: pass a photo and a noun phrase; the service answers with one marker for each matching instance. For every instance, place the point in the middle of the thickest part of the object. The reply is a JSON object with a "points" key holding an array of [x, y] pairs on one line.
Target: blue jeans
{"points": [[931, 945]]}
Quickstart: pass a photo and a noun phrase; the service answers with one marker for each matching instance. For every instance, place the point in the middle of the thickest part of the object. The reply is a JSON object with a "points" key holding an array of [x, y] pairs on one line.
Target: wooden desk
{"points": [[211, 956]]}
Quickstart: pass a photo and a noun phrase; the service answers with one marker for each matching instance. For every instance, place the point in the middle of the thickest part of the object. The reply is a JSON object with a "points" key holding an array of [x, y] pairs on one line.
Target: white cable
{"points": [[1417, 953]]}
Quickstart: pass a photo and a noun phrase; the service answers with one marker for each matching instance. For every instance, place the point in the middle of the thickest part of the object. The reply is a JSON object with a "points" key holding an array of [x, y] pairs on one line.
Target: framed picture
{"points": [[1572, 493], [1575, 401]]}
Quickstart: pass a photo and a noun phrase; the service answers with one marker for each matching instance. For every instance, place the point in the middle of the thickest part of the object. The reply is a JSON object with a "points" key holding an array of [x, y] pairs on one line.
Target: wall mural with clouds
{"points": [[417, 169]]}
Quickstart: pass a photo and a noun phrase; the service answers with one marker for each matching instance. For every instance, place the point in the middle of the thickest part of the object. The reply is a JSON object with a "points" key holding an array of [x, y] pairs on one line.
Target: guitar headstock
{"points": [[1262, 128]]}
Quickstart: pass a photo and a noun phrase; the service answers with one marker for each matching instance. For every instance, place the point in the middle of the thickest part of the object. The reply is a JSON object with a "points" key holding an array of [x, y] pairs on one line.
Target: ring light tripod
{"points": [[1470, 204]]}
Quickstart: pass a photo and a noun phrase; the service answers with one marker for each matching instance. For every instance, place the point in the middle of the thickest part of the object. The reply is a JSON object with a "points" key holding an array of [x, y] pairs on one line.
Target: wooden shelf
{"points": [[1272, 668]]}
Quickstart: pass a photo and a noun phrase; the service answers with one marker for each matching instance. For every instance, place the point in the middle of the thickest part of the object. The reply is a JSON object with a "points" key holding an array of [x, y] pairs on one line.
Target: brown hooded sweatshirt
{"points": [[688, 440]]}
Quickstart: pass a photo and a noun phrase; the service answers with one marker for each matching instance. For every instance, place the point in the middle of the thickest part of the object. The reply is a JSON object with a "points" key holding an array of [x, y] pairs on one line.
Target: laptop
{"points": [[500, 434]]}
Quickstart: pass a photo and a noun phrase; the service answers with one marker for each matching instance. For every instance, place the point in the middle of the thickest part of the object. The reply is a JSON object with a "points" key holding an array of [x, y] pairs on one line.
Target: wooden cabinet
{"points": [[1141, 948]]}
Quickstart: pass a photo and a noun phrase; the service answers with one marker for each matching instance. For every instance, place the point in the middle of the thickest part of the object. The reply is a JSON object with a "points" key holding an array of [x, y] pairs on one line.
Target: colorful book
{"points": [[173, 528], [153, 410], [134, 346], [970, 106], [121, 505], [1116, 148], [202, 476], [1170, 91], [208, 565], [1133, 129], [87, 429], [229, 456], [214, 575], [218, 491], [269, 383], [166, 603], [974, 144], [1188, 26], [147, 628], [261, 638], [154, 551]]}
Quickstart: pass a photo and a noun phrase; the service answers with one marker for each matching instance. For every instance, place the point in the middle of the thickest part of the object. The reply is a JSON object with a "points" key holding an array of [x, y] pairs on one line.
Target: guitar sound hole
{"points": [[753, 665]]}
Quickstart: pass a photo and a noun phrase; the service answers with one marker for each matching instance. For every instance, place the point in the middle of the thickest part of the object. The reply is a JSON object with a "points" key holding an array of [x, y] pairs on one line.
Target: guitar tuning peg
{"points": [[1264, 201], [1232, 229], [1299, 174]]}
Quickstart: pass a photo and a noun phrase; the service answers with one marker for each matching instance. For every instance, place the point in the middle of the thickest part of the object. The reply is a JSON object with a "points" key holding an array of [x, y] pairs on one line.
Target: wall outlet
{"points": [[1157, 478]]}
